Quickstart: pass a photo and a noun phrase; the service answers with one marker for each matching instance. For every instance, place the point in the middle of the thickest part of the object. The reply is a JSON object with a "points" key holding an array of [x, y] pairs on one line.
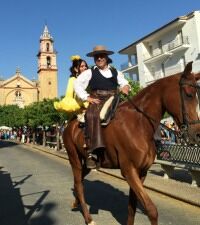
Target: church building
{"points": [[21, 91]]}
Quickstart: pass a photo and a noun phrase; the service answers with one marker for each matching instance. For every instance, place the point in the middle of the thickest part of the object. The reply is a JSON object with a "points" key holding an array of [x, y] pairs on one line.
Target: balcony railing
{"points": [[127, 65], [155, 75], [178, 42], [166, 50], [124, 66], [168, 47]]}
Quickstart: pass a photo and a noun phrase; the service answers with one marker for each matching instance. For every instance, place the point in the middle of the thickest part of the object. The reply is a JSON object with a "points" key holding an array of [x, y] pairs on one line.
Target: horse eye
{"points": [[189, 95]]}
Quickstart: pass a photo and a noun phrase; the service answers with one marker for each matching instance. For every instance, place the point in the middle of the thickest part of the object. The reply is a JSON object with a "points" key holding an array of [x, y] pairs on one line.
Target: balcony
{"points": [[131, 65], [167, 50], [128, 68], [124, 66], [157, 57], [151, 75]]}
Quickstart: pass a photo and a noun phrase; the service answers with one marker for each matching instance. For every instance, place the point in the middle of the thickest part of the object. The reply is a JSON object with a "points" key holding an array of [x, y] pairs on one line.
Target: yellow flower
{"points": [[75, 57]]}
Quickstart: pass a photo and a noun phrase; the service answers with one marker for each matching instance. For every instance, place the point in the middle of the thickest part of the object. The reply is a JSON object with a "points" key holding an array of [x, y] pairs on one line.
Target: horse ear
{"points": [[188, 69], [197, 76]]}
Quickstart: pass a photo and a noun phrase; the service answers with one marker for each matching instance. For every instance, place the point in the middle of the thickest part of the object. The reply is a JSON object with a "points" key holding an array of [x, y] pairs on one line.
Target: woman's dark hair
{"points": [[76, 64]]}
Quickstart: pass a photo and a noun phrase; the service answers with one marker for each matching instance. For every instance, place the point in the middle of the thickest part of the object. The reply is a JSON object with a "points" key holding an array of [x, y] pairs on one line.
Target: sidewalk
{"points": [[179, 188]]}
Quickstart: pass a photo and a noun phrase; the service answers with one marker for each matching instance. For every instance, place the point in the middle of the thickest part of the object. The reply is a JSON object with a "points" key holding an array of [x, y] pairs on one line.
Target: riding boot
{"points": [[94, 137], [91, 159], [93, 127]]}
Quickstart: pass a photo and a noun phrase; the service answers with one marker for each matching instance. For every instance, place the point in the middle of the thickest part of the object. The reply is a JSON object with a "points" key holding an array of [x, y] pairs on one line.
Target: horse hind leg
{"points": [[136, 185], [76, 203], [79, 173]]}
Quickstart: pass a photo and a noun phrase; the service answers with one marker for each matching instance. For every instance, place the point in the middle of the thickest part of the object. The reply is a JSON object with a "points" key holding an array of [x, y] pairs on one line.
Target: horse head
{"points": [[185, 105]]}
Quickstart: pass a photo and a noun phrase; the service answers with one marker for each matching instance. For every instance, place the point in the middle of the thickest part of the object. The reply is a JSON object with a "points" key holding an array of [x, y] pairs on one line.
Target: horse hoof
{"points": [[74, 205], [92, 223]]}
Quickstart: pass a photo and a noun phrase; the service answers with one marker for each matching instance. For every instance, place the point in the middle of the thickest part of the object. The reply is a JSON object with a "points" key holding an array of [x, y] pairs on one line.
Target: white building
{"points": [[165, 51]]}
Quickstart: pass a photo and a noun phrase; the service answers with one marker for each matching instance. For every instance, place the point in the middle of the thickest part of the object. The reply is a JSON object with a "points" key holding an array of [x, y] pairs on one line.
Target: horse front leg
{"points": [[136, 185], [75, 203], [132, 204]]}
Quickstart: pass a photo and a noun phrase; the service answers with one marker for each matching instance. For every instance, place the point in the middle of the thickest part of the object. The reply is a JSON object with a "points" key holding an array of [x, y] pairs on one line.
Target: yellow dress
{"points": [[70, 103]]}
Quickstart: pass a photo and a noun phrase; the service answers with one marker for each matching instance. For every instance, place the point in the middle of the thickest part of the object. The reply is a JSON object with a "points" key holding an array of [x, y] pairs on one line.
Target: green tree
{"points": [[44, 114], [12, 116]]}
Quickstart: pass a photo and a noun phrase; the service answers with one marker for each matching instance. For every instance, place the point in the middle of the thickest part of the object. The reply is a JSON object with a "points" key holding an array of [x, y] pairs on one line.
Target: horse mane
{"points": [[152, 92], [158, 84]]}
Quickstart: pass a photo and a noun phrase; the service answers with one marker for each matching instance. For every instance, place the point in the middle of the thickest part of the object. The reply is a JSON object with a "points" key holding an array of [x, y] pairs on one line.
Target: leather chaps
{"points": [[93, 129]]}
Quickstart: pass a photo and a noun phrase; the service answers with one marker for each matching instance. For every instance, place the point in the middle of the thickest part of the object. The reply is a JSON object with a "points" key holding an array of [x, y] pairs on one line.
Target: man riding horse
{"points": [[129, 138], [96, 85]]}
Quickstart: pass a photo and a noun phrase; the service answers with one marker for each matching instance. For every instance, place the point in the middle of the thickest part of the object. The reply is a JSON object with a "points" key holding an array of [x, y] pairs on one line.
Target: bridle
{"points": [[187, 123], [186, 120]]}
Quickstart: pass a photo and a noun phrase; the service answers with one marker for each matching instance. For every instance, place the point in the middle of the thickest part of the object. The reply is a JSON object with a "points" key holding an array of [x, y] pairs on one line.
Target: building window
{"points": [[18, 100], [150, 49], [47, 47], [18, 94], [48, 61], [180, 37], [160, 44]]}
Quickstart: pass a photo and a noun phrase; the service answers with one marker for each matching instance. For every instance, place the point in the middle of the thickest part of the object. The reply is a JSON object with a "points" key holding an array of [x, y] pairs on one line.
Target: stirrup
{"points": [[91, 162]]}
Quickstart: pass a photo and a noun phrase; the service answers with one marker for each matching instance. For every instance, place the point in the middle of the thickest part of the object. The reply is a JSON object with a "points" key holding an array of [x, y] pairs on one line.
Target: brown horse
{"points": [[129, 138]]}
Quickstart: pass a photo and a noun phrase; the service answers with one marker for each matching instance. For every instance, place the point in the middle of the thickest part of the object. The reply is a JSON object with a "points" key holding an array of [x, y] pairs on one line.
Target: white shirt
{"points": [[82, 81]]}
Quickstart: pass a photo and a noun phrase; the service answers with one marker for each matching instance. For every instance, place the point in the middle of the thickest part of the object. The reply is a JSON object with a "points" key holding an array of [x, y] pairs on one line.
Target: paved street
{"points": [[36, 189]]}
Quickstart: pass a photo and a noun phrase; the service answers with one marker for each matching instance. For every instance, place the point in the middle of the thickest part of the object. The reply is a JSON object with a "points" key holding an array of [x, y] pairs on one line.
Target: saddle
{"points": [[107, 112]]}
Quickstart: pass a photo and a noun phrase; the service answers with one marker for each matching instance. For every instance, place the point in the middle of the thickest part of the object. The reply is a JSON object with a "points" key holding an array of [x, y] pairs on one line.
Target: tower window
{"points": [[48, 61], [47, 47]]}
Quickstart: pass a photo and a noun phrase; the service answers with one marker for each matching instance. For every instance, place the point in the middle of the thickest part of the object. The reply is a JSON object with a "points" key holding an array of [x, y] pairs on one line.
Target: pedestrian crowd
{"points": [[7, 134], [167, 133]]}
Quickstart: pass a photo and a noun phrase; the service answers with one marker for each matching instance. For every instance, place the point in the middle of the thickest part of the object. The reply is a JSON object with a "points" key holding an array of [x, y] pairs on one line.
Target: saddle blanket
{"points": [[104, 113]]}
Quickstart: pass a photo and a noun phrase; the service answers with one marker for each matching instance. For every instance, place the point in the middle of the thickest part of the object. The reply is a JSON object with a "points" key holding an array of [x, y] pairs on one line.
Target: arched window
{"points": [[48, 61], [18, 94], [47, 47]]}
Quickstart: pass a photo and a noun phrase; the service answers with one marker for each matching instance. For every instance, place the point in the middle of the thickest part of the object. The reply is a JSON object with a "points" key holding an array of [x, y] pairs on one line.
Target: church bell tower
{"points": [[47, 67]]}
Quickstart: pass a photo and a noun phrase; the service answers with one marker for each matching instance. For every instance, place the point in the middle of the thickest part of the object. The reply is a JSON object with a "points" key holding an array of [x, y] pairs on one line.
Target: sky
{"points": [[77, 26]]}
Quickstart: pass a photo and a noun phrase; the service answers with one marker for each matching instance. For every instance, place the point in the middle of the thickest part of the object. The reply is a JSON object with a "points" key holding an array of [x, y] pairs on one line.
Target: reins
{"points": [[152, 120], [186, 123]]}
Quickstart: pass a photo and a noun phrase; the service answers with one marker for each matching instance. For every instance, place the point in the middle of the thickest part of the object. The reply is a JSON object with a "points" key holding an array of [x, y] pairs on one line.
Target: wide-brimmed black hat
{"points": [[99, 49]]}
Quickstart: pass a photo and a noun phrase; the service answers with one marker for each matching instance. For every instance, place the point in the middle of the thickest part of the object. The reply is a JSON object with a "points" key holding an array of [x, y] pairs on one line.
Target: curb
{"points": [[185, 193]]}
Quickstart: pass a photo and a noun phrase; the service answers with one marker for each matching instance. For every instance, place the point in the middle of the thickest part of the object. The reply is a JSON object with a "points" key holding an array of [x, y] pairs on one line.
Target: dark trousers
{"points": [[93, 131]]}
